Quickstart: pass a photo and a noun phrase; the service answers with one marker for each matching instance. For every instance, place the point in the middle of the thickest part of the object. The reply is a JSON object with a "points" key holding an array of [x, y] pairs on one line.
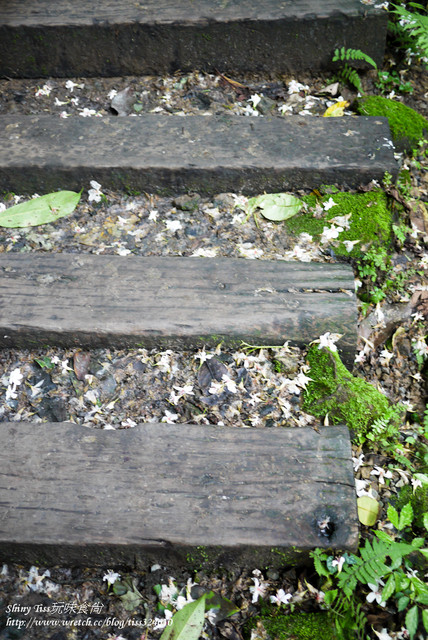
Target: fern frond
{"points": [[347, 74], [369, 568], [416, 25], [353, 54], [350, 620]]}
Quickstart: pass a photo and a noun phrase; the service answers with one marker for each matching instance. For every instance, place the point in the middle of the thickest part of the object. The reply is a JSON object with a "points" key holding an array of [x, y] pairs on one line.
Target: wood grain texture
{"points": [[159, 491], [211, 154], [118, 37], [102, 300]]}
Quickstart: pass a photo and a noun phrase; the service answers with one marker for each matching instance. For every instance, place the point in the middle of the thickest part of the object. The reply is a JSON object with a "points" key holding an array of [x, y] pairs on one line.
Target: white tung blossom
{"points": [[110, 577], [173, 225], [328, 340], [94, 194]]}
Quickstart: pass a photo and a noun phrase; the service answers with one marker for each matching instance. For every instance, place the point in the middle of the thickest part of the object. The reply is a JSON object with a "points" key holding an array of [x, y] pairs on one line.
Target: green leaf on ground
{"points": [[187, 624], [222, 606], [40, 210], [275, 206], [368, 508]]}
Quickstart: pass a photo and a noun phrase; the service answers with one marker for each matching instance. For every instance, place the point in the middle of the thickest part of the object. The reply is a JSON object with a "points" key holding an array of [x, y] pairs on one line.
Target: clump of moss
{"points": [[336, 392], [407, 126], [370, 220], [297, 626]]}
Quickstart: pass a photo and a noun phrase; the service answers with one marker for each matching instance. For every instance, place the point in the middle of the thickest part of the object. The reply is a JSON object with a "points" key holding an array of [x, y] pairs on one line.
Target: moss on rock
{"points": [[370, 220], [336, 392], [407, 126], [297, 626]]}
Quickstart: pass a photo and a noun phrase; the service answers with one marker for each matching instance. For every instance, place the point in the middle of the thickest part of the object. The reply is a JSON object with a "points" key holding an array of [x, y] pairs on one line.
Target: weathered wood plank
{"points": [[118, 37], [102, 300], [210, 155], [157, 492]]}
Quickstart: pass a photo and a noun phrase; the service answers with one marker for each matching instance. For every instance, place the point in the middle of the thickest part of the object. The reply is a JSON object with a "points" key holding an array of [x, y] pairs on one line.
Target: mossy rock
{"points": [[296, 626], [336, 392], [407, 126], [370, 220]]}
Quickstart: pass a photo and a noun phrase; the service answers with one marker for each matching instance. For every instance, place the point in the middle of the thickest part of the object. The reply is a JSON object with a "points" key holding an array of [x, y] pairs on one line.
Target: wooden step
{"points": [[211, 154], [104, 300], [118, 37], [174, 494]]}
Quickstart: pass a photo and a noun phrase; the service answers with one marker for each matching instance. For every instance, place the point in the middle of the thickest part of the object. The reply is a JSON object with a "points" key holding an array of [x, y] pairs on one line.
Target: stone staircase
{"points": [[159, 492]]}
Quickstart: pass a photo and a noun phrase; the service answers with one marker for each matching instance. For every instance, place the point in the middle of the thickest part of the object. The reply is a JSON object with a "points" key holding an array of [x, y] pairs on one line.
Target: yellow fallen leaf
{"points": [[336, 110], [368, 509]]}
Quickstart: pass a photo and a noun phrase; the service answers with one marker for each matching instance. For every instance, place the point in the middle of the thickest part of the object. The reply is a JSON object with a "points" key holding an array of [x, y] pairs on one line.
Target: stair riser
{"points": [[122, 39]]}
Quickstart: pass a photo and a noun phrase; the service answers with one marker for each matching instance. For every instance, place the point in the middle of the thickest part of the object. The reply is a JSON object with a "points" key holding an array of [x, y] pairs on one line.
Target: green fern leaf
{"points": [[353, 54]]}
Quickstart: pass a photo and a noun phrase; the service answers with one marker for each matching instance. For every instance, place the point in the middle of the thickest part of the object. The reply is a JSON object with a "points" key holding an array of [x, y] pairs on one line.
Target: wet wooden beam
{"points": [[114, 301], [118, 37], [160, 492], [206, 154]]}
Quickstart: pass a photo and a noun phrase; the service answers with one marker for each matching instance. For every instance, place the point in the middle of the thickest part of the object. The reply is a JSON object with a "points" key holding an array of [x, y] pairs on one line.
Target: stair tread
{"points": [[208, 154], [95, 496], [104, 300]]}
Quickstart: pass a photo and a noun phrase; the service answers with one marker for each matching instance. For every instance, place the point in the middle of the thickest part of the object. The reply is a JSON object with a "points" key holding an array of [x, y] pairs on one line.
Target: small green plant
{"points": [[391, 81], [381, 571], [414, 24], [384, 430], [348, 73]]}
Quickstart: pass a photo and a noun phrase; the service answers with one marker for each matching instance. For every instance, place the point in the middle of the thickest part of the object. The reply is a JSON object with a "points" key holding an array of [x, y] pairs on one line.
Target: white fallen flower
{"points": [[110, 577], [250, 111], [420, 347], [64, 114], [349, 245], [358, 462], [255, 99], [330, 233], [328, 340], [94, 194], [329, 204], [378, 471], [229, 384], [284, 108], [15, 377], [112, 94], [44, 91], [258, 590], [87, 113], [342, 221], [173, 225], [296, 87], [375, 593], [385, 357], [207, 252], [281, 597], [170, 417], [70, 85], [248, 251]]}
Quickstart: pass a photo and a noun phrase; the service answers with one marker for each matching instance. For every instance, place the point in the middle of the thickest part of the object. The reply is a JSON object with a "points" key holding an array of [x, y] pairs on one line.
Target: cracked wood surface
{"points": [[163, 490]]}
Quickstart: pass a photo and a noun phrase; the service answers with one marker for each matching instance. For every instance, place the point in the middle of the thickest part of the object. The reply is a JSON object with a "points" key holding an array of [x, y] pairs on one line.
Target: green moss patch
{"points": [[297, 626], [370, 220], [407, 126], [336, 392]]}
